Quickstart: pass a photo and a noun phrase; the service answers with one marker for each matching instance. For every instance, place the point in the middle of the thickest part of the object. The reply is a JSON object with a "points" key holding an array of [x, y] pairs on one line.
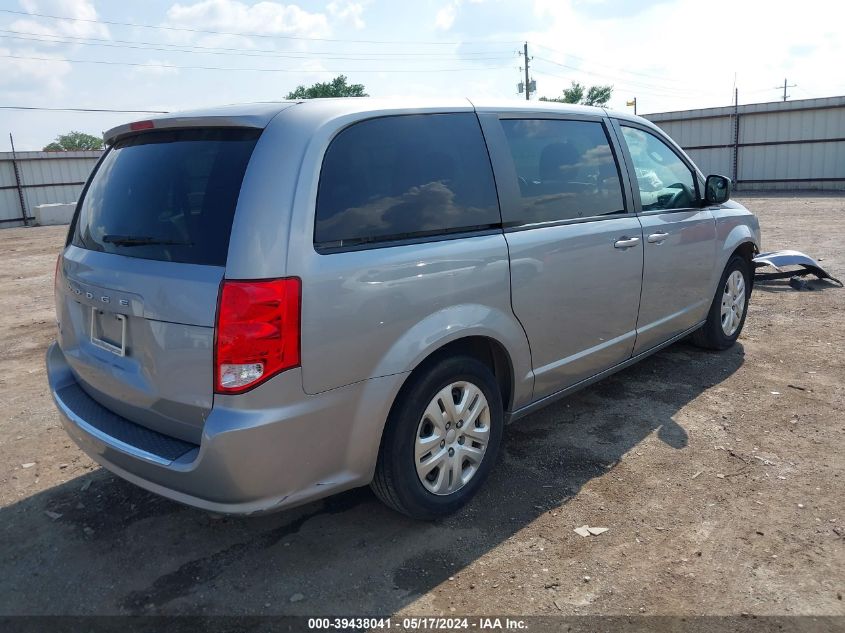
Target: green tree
{"points": [[598, 95], [74, 141], [595, 95], [337, 87], [574, 93]]}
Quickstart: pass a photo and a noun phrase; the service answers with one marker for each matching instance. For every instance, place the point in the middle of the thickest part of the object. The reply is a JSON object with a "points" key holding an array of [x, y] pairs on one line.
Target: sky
{"points": [[165, 55]]}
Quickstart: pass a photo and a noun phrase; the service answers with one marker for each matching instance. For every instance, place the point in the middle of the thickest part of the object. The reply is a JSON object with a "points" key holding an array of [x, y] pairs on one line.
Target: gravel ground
{"points": [[721, 479]]}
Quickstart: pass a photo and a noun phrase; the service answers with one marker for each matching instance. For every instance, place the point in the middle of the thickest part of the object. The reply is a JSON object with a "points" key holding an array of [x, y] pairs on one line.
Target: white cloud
{"points": [[349, 12], [266, 18], [30, 78], [82, 9], [445, 17], [27, 77]]}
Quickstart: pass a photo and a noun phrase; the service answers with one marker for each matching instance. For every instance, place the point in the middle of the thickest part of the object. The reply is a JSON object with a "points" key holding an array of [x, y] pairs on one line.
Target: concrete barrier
{"points": [[47, 214]]}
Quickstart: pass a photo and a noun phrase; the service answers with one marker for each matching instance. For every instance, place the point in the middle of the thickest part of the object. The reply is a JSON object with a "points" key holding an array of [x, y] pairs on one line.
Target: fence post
{"points": [[735, 173], [18, 181]]}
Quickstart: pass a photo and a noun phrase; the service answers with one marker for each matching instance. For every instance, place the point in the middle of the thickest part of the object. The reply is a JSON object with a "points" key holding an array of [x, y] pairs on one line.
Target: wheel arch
{"points": [[485, 349], [739, 239], [734, 239], [746, 249]]}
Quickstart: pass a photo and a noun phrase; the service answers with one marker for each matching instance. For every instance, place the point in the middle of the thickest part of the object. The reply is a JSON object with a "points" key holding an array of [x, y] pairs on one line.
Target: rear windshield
{"points": [[166, 195]]}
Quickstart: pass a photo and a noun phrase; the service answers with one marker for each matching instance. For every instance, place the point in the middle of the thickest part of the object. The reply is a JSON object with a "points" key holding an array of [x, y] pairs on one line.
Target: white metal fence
{"points": [[41, 178], [784, 145]]}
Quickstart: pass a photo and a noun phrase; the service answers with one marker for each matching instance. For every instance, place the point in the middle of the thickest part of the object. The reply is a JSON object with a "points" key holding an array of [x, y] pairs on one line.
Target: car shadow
{"points": [[117, 549]]}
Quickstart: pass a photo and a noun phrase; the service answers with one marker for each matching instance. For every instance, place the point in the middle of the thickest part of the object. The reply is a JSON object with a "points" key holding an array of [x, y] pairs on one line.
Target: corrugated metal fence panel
{"points": [[713, 161], [795, 125], [10, 207], [7, 173], [814, 162], [70, 170], [47, 177], [783, 162], [699, 132]]}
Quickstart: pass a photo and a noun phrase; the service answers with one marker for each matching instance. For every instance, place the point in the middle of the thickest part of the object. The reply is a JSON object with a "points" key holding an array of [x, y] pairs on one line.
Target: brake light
{"points": [[137, 126], [257, 333]]}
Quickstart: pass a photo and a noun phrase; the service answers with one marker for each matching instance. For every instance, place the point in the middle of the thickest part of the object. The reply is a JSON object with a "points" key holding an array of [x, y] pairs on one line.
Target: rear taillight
{"points": [[257, 333]]}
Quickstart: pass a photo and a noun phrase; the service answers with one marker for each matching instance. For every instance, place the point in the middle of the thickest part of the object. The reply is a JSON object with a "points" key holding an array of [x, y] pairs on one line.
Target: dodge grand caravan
{"points": [[266, 304]]}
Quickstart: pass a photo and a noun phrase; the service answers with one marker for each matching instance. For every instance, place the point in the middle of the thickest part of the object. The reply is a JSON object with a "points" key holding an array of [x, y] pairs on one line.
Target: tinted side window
{"points": [[405, 176], [664, 180], [566, 169], [167, 195]]}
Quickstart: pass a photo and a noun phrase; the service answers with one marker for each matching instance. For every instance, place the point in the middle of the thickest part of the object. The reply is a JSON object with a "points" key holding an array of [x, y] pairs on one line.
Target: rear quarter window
{"points": [[405, 177], [166, 195]]}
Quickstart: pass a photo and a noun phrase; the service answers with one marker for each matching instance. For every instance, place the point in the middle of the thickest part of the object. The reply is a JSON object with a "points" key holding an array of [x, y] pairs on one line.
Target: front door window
{"points": [[664, 180]]}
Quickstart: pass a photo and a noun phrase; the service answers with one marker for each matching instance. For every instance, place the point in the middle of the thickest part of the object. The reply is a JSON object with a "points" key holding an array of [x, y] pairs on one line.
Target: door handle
{"points": [[626, 242], [657, 238]]}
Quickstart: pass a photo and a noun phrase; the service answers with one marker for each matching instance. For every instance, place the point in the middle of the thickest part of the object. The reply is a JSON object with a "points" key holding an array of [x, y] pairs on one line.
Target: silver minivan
{"points": [[261, 305]]}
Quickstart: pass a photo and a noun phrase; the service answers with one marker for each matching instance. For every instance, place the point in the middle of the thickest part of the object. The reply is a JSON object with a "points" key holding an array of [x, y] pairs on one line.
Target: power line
{"points": [[262, 70], [621, 85], [616, 77], [83, 110], [227, 52], [626, 71], [679, 91], [178, 48], [239, 34], [617, 84]]}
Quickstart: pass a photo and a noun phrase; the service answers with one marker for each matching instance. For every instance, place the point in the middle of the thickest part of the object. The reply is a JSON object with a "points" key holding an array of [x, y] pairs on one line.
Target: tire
{"points": [[713, 335], [418, 423]]}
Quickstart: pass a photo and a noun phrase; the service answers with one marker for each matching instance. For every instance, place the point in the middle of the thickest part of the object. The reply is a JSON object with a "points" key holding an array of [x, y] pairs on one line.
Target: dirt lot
{"points": [[720, 476]]}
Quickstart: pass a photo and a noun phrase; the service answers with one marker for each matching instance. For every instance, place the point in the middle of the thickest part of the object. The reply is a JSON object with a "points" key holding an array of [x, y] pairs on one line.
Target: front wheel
{"points": [[441, 439], [729, 308]]}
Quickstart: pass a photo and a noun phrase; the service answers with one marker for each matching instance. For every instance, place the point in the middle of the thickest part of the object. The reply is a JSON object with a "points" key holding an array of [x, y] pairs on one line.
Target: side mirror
{"points": [[717, 189]]}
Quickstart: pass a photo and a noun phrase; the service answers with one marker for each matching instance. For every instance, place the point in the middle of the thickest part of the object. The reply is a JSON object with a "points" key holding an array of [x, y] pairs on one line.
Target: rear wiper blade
{"points": [[141, 240]]}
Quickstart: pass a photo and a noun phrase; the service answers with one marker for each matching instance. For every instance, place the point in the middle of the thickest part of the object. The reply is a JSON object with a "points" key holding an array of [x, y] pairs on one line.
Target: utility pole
{"points": [[527, 83], [785, 87], [632, 102]]}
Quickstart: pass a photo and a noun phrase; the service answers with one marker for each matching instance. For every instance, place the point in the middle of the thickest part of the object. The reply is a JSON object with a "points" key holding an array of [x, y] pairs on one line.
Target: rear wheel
{"points": [[441, 439], [729, 308]]}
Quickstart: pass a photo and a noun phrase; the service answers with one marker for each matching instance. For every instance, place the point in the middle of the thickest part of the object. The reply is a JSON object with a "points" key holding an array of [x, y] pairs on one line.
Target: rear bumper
{"points": [[273, 448]]}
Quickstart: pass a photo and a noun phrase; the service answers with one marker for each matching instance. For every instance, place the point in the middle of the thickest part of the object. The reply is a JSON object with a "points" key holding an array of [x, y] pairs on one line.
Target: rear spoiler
{"points": [[117, 133], [254, 116]]}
